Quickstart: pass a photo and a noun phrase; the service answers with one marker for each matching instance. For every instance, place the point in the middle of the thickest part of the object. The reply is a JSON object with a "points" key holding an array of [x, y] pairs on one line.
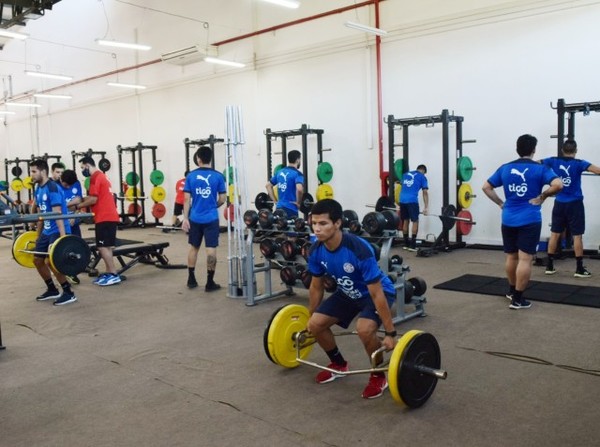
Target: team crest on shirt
{"points": [[348, 268], [44, 197], [74, 190]]}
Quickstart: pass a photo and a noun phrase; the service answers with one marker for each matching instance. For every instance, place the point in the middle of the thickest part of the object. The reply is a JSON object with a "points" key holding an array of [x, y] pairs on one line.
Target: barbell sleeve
{"points": [[438, 373]]}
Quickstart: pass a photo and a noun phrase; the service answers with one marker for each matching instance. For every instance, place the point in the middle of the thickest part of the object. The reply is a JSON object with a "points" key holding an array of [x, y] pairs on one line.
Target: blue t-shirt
{"points": [[522, 180], [352, 265], [204, 186], [412, 183], [48, 196], [569, 170], [286, 180], [71, 192]]}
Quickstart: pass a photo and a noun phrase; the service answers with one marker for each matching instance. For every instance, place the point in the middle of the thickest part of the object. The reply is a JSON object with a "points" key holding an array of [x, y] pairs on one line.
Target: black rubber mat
{"points": [[578, 295]]}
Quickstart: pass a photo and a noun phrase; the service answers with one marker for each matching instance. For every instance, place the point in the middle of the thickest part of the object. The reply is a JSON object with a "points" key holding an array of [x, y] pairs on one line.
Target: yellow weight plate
{"points": [[231, 190], [324, 191], [397, 190], [17, 185], [28, 182], [276, 193], [158, 194], [131, 193], [25, 241], [290, 319], [396, 363], [465, 195]]}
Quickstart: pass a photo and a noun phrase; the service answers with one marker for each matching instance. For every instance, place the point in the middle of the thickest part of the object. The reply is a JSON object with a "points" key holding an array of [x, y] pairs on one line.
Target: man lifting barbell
{"points": [[362, 289], [49, 198], [412, 183], [290, 185]]}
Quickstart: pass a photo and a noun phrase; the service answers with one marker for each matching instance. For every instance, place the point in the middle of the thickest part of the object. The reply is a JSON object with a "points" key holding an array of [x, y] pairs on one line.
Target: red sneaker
{"points": [[326, 376], [375, 387]]}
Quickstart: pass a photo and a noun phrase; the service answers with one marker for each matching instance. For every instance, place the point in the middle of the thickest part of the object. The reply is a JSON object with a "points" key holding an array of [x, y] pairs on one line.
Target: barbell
{"points": [[413, 367], [69, 254], [263, 201]]}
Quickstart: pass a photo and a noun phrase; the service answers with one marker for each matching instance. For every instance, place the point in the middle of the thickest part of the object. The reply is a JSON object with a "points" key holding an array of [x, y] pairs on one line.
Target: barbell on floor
{"points": [[69, 254], [413, 368]]}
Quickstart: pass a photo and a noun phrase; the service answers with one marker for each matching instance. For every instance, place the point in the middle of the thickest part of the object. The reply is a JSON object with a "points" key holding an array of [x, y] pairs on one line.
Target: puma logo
{"points": [[520, 174], [205, 179], [566, 169]]}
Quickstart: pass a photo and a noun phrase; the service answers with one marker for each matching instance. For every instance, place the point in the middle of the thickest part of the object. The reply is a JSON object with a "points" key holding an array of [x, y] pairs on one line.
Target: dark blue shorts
{"points": [[409, 211], [76, 230], [524, 238], [208, 231], [568, 214], [339, 306], [43, 243]]}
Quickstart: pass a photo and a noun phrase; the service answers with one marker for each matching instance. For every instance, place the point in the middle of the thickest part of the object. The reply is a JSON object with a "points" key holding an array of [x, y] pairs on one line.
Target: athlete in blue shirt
{"points": [[73, 195], [290, 185], [362, 289], [204, 191], [49, 198], [412, 183], [522, 181], [568, 210]]}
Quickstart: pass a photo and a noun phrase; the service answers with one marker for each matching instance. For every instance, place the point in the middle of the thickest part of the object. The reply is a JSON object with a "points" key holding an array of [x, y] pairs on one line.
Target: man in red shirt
{"points": [[106, 218], [179, 199]]}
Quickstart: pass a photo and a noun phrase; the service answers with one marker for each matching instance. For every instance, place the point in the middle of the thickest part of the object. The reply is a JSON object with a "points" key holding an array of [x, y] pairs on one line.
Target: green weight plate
{"points": [[132, 178], [157, 177], [324, 172], [278, 168], [3, 185], [86, 183], [464, 169], [281, 346], [230, 177], [399, 168]]}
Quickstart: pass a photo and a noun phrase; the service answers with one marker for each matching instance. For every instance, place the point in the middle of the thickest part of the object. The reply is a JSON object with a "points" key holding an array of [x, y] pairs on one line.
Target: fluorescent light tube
{"points": [[365, 28], [7, 112], [120, 84], [131, 46], [50, 96], [13, 35], [22, 104], [293, 4], [40, 74], [214, 60]]}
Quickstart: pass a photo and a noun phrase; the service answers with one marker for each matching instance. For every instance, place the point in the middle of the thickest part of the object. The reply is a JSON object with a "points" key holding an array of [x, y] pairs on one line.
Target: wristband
{"points": [[391, 334]]}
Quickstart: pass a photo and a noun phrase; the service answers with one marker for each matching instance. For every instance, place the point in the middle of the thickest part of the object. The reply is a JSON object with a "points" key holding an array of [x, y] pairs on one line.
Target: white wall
{"points": [[499, 65]]}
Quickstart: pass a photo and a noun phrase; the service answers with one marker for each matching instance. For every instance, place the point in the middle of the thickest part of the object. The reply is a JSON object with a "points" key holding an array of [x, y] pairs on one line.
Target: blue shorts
{"points": [[43, 243], [208, 231], [568, 215], [76, 230], [409, 211], [339, 306], [524, 238]]}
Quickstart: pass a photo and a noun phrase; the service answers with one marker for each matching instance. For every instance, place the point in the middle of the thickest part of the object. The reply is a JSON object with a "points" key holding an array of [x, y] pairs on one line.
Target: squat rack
{"points": [[304, 132], [563, 109], [210, 142], [445, 118]]}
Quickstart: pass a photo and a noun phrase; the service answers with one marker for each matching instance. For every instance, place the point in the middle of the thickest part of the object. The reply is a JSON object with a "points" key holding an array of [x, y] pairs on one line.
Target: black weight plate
{"points": [[419, 284], [70, 255], [104, 164], [349, 216], [384, 202], [16, 171], [374, 223], [392, 219], [307, 203], [263, 201]]}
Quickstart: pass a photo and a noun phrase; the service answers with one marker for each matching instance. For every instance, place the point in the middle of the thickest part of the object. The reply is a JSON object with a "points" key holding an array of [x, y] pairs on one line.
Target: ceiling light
{"points": [[40, 74], [50, 96], [214, 60], [133, 86], [22, 104], [20, 36], [365, 28], [131, 46], [7, 112], [293, 4]]}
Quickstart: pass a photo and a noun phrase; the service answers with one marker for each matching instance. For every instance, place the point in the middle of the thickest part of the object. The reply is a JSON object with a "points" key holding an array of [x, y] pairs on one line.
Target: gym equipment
{"points": [[465, 195], [104, 164], [132, 178], [157, 177], [351, 222], [158, 194], [28, 183], [263, 201], [17, 185], [464, 226], [324, 191], [267, 219], [376, 223], [464, 169], [86, 183], [158, 210], [449, 218], [290, 274], [69, 255], [413, 367], [3, 185], [16, 171], [134, 208], [324, 172], [290, 249], [195, 144], [399, 169], [251, 218], [270, 247]]}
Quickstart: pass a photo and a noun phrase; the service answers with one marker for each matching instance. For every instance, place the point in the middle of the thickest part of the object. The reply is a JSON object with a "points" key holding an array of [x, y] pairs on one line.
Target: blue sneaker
{"points": [[109, 280], [523, 304], [65, 298], [100, 278]]}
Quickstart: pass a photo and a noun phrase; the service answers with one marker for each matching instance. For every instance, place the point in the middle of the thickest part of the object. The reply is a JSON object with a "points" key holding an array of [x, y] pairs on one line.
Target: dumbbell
{"points": [[329, 283], [351, 222], [300, 225], [269, 247], [395, 261], [414, 287], [289, 249], [266, 218], [375, 223], [290, 274], [251, 218]]}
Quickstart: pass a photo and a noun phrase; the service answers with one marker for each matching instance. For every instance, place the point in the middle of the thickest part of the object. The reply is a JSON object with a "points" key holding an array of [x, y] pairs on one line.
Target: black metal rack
{"points": [[563, 109], [210, 142]]}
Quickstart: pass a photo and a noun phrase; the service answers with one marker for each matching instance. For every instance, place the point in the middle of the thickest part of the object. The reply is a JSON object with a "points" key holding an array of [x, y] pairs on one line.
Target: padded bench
{"points": [[129, 253]]}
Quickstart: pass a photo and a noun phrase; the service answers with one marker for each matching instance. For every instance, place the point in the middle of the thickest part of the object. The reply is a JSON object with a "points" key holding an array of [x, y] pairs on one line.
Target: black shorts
{"points": [[199, 231], [568, 214], [106, 234], [409, 211], [178, 209], [524, 238], [340, 306]]}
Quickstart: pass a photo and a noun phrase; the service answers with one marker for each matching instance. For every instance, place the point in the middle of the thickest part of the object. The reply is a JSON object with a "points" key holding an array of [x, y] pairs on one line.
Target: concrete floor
{"points": [[149, 362]]}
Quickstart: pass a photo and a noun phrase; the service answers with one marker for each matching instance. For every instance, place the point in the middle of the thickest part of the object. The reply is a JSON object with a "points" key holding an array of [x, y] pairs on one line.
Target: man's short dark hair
{"points": [[293, 156], [330, 207], [422, 168], [88, 160], [205, 154], [569, 146], [39, 163], [526, 145], [69, 177], [57, 165]]}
